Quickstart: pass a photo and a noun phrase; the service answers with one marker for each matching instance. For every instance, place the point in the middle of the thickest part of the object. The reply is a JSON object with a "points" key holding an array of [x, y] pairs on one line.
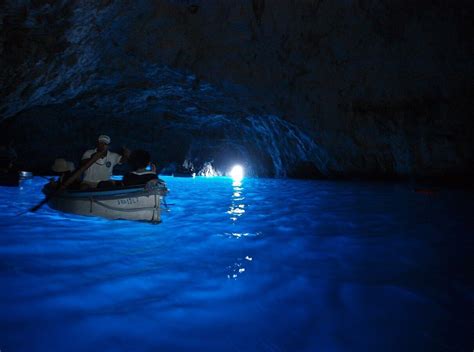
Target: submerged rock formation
{"points": [[288, 88]]}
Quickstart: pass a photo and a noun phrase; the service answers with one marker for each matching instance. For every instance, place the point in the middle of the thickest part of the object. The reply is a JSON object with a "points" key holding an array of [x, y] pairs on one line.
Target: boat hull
{"points": [[127, 204]]}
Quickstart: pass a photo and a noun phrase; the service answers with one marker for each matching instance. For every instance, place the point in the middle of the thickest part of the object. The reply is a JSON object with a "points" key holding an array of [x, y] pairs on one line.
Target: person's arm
{"points": [[157, 179], [87, 156], [125, 155], [160, 181]]}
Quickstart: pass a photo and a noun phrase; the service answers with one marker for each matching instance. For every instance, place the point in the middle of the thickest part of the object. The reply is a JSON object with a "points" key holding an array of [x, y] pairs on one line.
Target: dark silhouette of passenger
{"points": [[140, 160]]}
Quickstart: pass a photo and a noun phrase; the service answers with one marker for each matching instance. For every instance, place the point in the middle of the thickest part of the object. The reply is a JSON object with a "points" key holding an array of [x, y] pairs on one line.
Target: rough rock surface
{"points": [[289, 88]]}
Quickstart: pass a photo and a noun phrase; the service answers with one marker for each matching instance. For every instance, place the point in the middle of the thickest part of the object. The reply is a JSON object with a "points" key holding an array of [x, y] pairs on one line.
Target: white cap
{"points": [[104, 138]]}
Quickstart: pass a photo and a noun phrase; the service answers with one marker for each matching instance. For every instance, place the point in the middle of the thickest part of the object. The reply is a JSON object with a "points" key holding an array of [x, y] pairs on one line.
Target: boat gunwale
{"points": [[122, 192]]}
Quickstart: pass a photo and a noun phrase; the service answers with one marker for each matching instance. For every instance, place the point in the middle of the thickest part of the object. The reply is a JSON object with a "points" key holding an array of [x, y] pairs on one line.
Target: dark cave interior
{"points": [[309, 89]]}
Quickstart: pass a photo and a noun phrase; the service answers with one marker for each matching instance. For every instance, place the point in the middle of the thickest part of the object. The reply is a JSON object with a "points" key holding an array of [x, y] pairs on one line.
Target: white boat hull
{"points": [[128, 204]]}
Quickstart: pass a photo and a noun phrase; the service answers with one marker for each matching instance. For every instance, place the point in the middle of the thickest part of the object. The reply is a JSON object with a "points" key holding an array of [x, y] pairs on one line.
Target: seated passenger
{"points": [[64, 169], [140, 160]]}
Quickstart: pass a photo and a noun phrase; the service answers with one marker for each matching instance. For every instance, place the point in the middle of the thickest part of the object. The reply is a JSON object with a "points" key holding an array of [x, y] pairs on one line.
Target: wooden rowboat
{"points": [[127, 203]]}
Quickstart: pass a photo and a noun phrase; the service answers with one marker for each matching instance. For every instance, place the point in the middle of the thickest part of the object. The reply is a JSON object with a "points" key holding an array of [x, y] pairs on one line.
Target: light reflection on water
{"points": [[237, 207], [235, 266]]}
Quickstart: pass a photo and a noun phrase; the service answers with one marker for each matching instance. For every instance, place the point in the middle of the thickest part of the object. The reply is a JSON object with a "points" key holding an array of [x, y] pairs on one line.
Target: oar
{"points": [[76, 174]]}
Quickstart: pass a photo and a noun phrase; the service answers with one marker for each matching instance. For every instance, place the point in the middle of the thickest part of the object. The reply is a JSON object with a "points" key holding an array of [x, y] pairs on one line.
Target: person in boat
{"points": [[63, 169], [140, 161], [8, 168], [6, 165], [99, 174], [8, 158]]}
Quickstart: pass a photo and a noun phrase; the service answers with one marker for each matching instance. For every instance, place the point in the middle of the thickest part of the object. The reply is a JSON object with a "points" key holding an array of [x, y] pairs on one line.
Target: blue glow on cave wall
{"points": [[349, 227]]}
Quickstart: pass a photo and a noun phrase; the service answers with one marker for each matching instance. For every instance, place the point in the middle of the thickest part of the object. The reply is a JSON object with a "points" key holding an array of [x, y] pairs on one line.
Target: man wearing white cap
{"points": [[102, 169]]}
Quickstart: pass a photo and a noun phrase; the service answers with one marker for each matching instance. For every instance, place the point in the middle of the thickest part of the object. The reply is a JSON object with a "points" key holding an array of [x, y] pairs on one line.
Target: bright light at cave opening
{"points": [[237, 173]]}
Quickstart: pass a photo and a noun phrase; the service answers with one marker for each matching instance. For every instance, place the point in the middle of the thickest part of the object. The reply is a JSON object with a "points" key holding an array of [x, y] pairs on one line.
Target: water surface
{"points": [[264, 265]]}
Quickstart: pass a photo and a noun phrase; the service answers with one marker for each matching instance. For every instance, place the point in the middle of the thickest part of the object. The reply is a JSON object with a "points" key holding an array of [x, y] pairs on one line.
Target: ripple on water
{"points": [[264, 265]]}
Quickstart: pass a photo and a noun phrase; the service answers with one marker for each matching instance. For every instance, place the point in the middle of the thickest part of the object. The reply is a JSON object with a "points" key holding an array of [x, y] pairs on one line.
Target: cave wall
{"points": [[379, 87]]}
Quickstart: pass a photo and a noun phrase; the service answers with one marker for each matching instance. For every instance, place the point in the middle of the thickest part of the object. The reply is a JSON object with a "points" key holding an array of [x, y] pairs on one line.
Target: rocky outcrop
{"points": [[290, 88]]}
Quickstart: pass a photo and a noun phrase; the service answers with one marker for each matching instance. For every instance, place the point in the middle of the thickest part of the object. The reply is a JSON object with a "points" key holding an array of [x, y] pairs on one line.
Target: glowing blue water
{"points": [[268, 265]]}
